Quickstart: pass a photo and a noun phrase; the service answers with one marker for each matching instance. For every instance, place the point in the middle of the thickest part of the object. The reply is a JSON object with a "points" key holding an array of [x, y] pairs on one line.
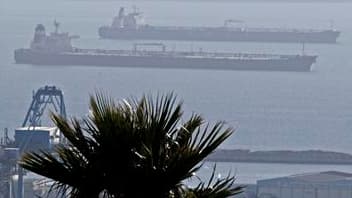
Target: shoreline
{"points": [[281, 156]]}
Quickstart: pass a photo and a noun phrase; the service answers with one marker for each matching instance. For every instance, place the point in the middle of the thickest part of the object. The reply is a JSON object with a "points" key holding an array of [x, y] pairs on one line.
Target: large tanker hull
{"points": [[289, 63], [219, 34]]}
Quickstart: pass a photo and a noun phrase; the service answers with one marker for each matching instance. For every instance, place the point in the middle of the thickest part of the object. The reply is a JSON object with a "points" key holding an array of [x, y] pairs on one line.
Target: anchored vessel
{"points": [[56, 49], [132, 26]]}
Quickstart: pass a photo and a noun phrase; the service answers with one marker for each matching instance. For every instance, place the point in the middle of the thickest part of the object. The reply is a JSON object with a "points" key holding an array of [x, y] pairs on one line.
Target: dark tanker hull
{"points": [[219, 34], [284, 63]]}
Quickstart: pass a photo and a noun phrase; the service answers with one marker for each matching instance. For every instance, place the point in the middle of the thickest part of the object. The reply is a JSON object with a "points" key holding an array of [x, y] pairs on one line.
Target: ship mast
{"points": [[303, 48], [56, 24], [134, 7]]}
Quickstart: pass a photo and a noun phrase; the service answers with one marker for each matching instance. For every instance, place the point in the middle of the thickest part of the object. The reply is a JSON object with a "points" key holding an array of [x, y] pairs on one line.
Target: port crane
{"points": [[48, 95]]}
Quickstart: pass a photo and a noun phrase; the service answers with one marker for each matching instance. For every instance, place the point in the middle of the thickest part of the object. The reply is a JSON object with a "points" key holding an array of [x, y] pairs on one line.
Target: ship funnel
{"points": [[118, 20], [39, 33], [121, 12], [40, 28]]}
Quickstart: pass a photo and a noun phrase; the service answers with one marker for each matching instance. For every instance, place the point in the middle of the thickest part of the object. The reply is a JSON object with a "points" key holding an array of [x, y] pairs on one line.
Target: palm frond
{"points": [[127, 145], [217, 188]]}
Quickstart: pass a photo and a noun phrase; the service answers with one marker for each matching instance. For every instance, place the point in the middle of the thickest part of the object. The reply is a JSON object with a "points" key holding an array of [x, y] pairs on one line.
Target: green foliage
{"points": [[131, 149]]}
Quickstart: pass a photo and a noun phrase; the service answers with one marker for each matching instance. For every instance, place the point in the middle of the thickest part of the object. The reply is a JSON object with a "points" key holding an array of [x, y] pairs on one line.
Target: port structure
{"points": [[7, 165], [48, 95], [30, 134]]}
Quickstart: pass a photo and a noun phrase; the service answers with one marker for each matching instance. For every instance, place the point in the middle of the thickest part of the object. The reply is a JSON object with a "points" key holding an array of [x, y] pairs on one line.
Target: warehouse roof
{"points": [[318, 177]]}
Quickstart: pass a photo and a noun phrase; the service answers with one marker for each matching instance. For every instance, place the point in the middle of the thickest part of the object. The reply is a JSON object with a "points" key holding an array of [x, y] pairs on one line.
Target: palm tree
{"points": [[131, 149]]}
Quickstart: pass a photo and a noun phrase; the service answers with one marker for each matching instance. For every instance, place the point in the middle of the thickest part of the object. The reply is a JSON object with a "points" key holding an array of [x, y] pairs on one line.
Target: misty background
{"points": [[270, 110]]}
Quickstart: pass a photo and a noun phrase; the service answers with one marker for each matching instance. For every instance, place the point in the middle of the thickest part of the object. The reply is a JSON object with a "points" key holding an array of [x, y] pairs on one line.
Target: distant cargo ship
{"points": [[132, 26], [56, 49]]}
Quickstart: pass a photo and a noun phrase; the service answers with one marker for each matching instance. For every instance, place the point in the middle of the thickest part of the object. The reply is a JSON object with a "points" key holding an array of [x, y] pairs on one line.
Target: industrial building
{"points": [[32, 136], [329, 184]]}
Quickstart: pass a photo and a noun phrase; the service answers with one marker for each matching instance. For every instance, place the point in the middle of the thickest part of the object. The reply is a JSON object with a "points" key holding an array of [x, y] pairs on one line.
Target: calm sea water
{"points": [[270, 110]]}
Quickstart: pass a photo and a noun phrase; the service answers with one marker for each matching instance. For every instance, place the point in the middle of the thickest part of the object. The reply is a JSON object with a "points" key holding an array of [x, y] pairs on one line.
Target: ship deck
{"points": [[181, 54], [239, 29]]}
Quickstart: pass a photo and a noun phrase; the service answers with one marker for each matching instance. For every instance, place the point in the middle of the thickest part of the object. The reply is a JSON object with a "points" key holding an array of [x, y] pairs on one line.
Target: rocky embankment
{"points": [[281, 156]]}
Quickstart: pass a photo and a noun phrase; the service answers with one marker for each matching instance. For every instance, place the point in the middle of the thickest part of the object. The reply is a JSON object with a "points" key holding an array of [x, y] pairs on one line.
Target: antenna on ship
{"points": [[56, 24]]}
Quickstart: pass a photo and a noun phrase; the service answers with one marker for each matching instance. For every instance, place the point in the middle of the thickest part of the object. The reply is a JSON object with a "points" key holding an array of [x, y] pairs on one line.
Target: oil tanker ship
{"points": [[56, 49], [132, 26]]}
